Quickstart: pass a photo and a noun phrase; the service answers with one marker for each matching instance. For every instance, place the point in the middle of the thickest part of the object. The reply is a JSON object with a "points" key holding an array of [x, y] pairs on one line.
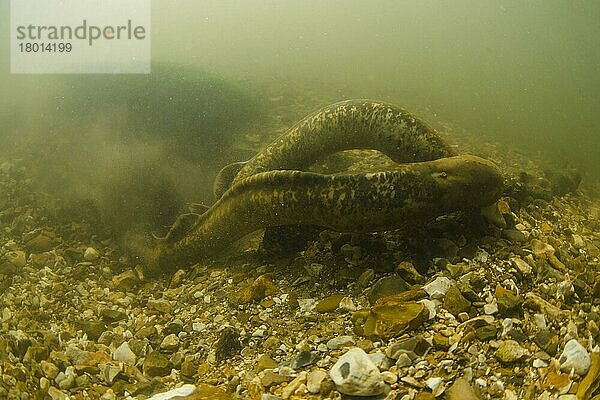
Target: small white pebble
{"points": [[481, 382]]}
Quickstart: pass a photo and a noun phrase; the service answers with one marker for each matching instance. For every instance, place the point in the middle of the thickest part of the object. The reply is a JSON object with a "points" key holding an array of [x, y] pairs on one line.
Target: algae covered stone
{"points": [[390, 317]]}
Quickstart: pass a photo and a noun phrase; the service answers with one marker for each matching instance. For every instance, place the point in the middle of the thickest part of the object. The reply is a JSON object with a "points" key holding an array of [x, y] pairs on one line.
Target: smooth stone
{"points": [[124, 354], [329, 304], [510, 351], [438, 287], [180, 392], [490, 308], [575, 357], [387, 286], [340, 341], [314, 380], [355, 374]]}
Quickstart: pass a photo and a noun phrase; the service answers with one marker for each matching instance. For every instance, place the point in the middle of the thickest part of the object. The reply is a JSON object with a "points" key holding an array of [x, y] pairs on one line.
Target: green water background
{"points": [[523, 72]]}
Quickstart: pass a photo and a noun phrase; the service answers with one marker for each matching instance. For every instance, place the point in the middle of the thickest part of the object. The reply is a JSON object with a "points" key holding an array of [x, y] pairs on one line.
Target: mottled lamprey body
{"points": [[269, 190]]}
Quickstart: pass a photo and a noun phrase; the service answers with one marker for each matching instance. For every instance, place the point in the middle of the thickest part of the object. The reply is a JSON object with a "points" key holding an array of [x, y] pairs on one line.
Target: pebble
{"points": [[438, 287], [387, 286], [56, 394], [124, 354], [436, 385], [180, 392], [170, 343], [521, 266], [294, 387], [303, 359], [455, 302], [265, 362], [329, 304], [49, 369], [314, 380], [390, 317], [339, 342], [575, 357], [490, 308], [462, 390], [510, 351], [90, 254], [389, 377], [355, 374], [17, 258]]}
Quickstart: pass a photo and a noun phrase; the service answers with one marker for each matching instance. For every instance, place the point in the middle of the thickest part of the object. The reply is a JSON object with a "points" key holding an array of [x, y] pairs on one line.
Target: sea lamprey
{"points": [[360, 202], [347, 125]]}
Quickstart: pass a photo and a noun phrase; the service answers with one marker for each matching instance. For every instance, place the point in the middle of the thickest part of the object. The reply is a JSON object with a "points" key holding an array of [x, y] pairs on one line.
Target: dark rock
{"points": [[387, 286], [547, 341], [455, 303], [303, 359], [173, 328], [157, 364], [486, 332], [508, 302], [110, 315], [93, 329], [228, 344], [329, 303]]}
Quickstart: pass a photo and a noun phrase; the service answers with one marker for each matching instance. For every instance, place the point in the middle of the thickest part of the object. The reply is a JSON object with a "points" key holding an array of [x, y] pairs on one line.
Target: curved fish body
{"points": [[347, 125], [365, 202]]}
